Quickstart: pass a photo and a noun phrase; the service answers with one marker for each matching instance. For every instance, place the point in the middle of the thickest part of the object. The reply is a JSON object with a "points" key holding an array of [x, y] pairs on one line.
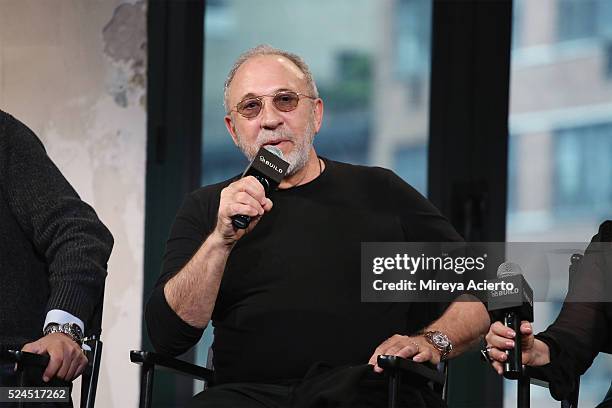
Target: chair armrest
{"points": [[395, 363], [148, 358], [26, 358], [536, 377]]}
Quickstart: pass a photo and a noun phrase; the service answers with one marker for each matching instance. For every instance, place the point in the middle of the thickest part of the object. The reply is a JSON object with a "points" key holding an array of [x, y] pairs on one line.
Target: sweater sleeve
{"points": [[63, 229], [169, 334], [582, 328]]}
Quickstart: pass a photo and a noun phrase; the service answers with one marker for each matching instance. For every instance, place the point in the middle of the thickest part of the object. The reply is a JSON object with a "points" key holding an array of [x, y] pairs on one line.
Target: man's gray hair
{"points": [[265, 49]]}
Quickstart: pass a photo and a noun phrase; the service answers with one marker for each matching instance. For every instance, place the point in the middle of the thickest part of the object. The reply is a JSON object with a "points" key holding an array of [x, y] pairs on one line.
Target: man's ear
{"points": [[318, 114], [229, 125]]}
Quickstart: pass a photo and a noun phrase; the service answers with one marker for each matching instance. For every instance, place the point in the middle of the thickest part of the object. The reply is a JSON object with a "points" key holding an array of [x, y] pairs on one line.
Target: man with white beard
{"points": [[284, 293]]}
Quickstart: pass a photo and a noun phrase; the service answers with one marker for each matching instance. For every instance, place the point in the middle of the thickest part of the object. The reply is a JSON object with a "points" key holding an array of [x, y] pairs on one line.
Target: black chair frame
{"points": [[394, 366]]}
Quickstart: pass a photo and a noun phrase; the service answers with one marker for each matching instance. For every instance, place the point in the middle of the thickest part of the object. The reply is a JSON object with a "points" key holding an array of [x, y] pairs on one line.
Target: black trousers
{"points": [[323, 386]]}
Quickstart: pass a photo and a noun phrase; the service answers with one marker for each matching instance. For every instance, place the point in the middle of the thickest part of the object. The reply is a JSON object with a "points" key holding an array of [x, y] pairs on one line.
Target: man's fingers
{"points": [[423, 356], [380, 350], [499, 329], [82, 366], [67, 359], [374, 361], [267, 205], [251, 186], [408, 351], [76, 366], [55, 362], [237, 208], [392, 350], [244, 198], [499, 342], [396, 345], [526, 327], [497, 366], [374, 358], [73, 358], [33, 347], [389, 347], [498, 355], [72, 367]]}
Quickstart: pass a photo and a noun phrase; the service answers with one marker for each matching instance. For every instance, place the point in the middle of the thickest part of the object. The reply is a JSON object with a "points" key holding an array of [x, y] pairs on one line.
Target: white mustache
{"points": [[266, 136]]}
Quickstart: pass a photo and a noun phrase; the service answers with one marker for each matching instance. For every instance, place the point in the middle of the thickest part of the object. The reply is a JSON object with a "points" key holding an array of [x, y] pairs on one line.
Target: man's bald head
{"points": [[262, 50]]}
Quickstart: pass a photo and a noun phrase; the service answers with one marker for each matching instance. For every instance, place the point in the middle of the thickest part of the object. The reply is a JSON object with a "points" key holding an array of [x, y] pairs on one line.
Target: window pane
{"points": [[374, 79], [560, 152]]}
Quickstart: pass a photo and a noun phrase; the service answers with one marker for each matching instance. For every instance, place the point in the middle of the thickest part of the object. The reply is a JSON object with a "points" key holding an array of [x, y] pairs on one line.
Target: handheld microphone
{"points": [[515, 305], [268, 167]]}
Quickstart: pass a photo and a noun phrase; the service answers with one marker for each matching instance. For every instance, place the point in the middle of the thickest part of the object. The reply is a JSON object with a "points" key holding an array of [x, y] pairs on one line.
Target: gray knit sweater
{"points": [[53, 247]]}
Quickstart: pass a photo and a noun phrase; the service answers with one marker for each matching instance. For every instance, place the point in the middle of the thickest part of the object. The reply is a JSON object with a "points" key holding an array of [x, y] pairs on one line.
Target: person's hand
{"points": [[416, 348], [245, 196], [66, 358], [501, 338]]}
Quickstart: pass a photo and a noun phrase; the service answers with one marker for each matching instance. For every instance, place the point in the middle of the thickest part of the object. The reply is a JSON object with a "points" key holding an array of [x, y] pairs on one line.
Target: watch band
{"points": [[72, 330]]}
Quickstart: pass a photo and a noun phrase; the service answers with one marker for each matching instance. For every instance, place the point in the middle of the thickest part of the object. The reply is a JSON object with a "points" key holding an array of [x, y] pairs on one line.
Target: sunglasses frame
{"points": [[260, 98]]}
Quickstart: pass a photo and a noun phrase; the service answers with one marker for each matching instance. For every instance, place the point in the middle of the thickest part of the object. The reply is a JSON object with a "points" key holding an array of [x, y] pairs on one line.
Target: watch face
{"points": [[73, 330], [440, 340]]}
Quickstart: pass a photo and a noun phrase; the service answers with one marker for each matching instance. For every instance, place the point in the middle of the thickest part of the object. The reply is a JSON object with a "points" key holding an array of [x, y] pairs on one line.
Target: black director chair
{"points": [[394, 368], [30, 364]]}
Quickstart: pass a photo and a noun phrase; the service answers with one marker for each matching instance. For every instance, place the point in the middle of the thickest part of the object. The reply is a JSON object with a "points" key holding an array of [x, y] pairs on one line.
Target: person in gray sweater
{"points": [[53, 256]]}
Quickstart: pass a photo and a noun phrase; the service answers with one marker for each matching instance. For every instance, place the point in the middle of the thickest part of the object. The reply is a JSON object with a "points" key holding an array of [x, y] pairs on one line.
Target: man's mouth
{"points": [[275, 142]]}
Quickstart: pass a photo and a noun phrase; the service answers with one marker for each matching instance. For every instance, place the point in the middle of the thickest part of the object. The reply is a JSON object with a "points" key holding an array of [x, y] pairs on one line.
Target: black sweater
{"points": [[53, 247], [290, 294], [582, 329]]}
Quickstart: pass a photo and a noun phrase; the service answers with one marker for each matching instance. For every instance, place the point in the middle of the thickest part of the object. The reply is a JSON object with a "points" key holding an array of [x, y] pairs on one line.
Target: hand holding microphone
{"points": [[268, 167], [500, 338], [244, 201], [514, 307], [245, 196]]}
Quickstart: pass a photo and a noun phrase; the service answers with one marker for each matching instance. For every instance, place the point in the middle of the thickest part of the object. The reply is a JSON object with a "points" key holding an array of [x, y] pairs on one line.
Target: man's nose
{"points": [[271, 118]]}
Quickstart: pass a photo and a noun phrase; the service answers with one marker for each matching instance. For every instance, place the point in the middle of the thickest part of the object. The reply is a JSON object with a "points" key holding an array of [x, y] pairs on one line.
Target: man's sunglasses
{"points": [[284, 101]]}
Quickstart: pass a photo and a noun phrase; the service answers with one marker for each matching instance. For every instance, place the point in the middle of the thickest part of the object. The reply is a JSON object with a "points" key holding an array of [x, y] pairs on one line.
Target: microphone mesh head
{"points": [[275, 150], [508, 269]]}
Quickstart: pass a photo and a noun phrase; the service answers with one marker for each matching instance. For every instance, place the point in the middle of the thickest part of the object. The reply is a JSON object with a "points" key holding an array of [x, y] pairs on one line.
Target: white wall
{"points": [[74, 72]]}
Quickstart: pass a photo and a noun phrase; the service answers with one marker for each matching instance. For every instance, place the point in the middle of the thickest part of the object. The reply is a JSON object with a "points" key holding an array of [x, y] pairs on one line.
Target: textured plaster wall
{"points": [[74, 71]]}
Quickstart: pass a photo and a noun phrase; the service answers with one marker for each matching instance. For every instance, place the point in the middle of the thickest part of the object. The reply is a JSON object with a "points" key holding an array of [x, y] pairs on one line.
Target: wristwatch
{"points": [[72, 330], [440, 341]]}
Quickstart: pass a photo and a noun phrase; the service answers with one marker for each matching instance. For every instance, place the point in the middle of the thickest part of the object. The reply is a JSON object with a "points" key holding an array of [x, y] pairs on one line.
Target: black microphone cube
{"points": [[519, 298], [268, 168]]}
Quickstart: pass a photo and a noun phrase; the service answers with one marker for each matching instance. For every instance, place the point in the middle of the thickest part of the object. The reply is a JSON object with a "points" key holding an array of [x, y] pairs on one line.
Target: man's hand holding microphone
{"points": [[245, 196], [243, 202], [192, 292]]}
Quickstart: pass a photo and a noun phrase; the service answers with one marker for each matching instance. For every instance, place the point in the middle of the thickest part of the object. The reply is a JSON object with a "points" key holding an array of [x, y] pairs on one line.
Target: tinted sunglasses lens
{"points": [[249, 108], [286, 101]]}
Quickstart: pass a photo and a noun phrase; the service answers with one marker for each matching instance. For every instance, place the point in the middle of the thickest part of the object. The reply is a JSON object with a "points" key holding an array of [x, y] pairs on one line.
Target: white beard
{"points": [[297, 157]]}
